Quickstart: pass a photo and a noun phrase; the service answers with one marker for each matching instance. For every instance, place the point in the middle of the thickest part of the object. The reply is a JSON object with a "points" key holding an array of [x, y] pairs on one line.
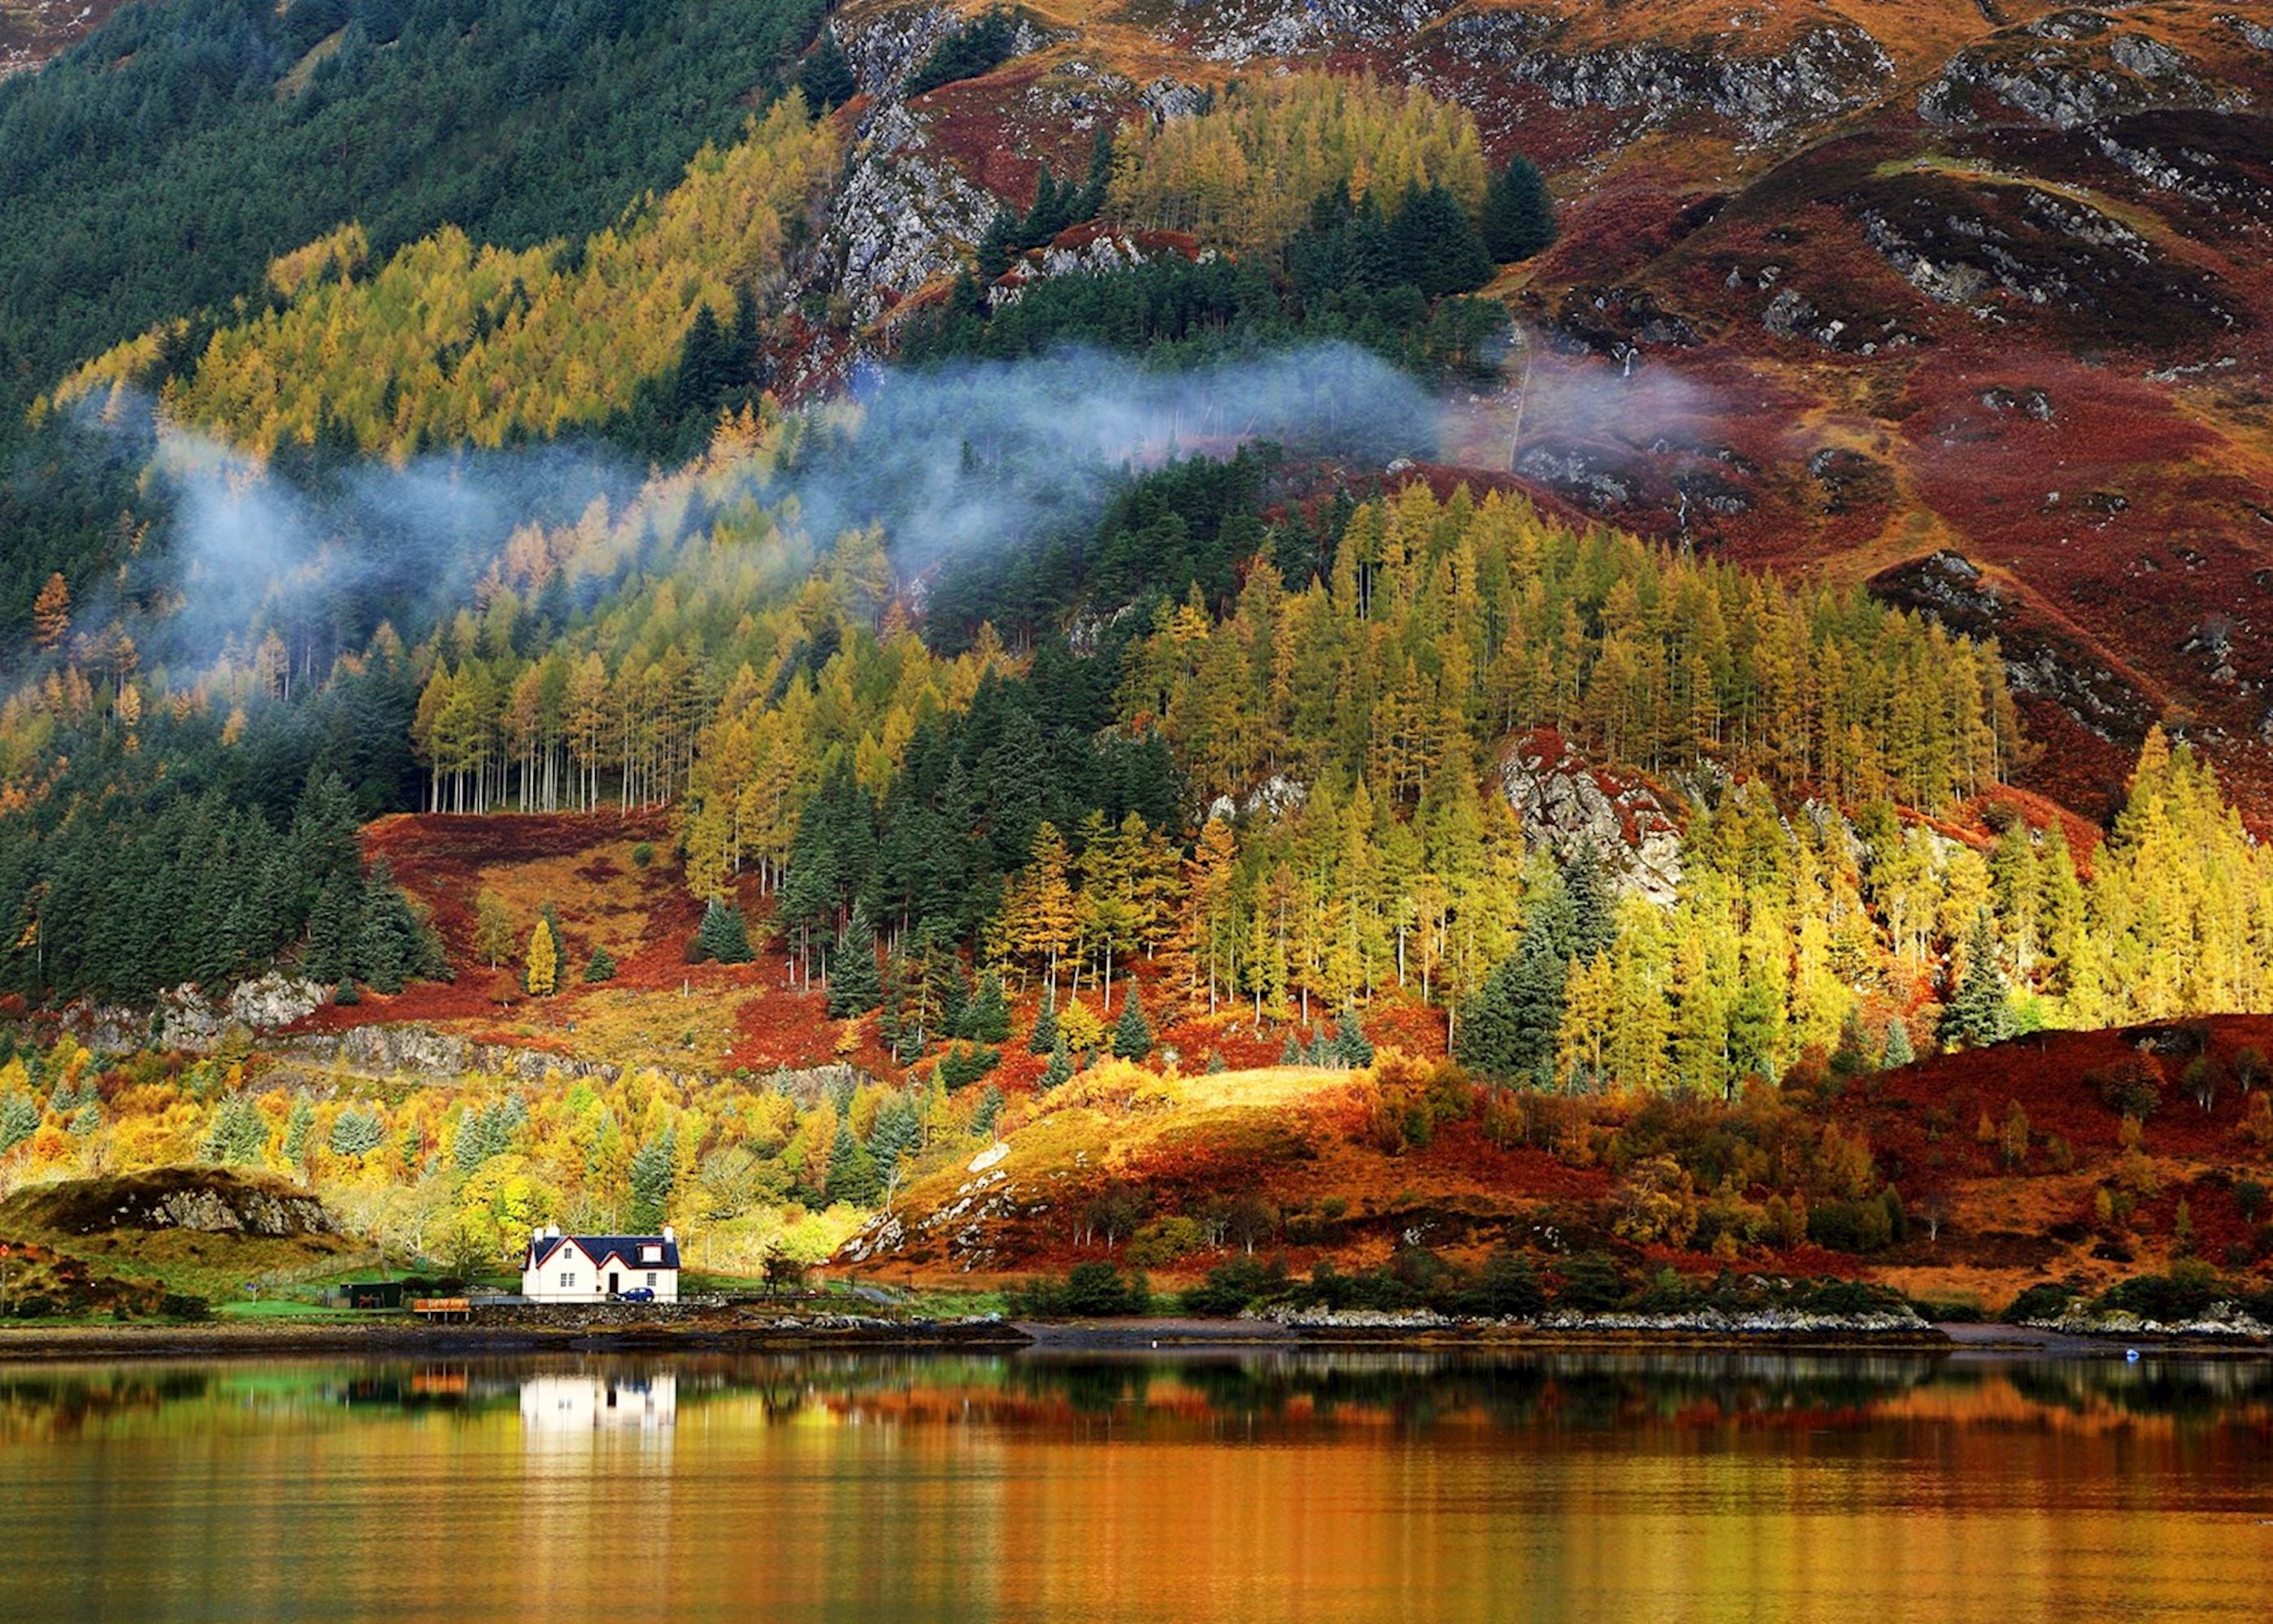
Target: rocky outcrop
{"points": [[422, 1052], [1774, 1322], [1083, 252], [904, 216], [1825, 72], [2078, 75], [189, 1019], [1275, 795], [209, 1200], [2220, 1321], [1566, 804]]}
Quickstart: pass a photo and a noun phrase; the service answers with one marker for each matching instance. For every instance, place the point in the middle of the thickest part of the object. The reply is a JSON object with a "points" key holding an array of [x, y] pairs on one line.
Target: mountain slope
{"points": [[1840, 286]]}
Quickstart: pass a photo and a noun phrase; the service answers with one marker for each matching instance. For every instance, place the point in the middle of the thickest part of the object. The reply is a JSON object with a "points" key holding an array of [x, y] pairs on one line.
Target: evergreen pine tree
{"points": [[238, 1133], [356, 1133], [1132, 1034], [653, 1173], [986, 1017], [989, 1113], [1350, 1045], [19, 1119], [854, 986], [1059, 1069], [1433, 245], [826, 75], [1897, 1050], [1044, 1038], [335, 929], [722, 935], [1519, 212], [601, 966], [297, 1127], [1982, 1012], [852, 1176], [1594, 904]]}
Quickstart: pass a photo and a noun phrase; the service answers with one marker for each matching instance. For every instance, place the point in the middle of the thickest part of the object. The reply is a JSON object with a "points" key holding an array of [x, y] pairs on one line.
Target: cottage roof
{"points": [[625, 1248]]}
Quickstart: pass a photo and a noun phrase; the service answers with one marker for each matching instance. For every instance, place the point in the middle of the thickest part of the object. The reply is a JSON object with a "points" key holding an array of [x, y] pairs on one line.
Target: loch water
{"points": [[1322, 1485]]}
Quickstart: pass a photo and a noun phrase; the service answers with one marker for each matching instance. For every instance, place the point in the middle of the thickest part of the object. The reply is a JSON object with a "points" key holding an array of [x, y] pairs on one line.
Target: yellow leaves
{"points": [[341, 253], [451, 341], [1243, 175]]}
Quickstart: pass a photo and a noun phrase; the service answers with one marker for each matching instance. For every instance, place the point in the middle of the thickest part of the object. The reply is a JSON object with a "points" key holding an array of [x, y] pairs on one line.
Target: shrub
{"points": [[181, 1305], [1849, 1297], [1230, 1288], [964, 1064], [1100, 1290], [2133, 1086], [1670, 1293], [1850, 1226], [1592, 1283], [642, 854], [2181, 1294], [2248, 1196], [2041, 1301], [1164, 1240], [1506, 1287]]}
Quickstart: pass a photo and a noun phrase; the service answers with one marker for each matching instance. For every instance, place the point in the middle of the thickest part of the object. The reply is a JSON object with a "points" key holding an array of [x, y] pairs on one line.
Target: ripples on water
{"points": [[1317, 1486]]}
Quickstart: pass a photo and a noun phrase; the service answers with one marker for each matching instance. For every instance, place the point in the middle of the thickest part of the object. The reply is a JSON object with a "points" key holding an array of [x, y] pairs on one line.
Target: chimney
{"points": [[670, 1233], [535, 1235], [552, 1231]]}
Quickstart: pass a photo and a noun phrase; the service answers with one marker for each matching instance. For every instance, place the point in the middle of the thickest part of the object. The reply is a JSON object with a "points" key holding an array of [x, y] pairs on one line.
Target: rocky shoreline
{"points": [[751, 1329]]}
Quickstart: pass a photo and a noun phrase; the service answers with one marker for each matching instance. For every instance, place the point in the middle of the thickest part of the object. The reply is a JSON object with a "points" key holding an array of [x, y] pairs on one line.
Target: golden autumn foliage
{"points": [[452, 342], [1243, 175]]}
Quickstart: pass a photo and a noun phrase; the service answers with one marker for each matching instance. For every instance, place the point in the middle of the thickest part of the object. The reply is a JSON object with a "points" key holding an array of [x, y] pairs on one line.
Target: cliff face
{"points": [[1840, 286]]}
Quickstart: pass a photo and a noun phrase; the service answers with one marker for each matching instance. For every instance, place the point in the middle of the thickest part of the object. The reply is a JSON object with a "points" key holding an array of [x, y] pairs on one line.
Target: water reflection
{"points": [[572, 1408], [1256, 1486]]}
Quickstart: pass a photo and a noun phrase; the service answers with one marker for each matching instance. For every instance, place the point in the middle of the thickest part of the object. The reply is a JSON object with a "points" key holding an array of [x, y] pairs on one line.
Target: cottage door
{"points": [[615, 1283]]}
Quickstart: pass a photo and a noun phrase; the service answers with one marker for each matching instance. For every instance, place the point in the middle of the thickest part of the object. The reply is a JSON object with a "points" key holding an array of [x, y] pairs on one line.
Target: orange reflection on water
{"points": [[1624, 1490]]}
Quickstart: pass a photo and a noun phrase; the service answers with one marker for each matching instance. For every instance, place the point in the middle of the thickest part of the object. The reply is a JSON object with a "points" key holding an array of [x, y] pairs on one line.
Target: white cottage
{"points": [[592, 1268]]}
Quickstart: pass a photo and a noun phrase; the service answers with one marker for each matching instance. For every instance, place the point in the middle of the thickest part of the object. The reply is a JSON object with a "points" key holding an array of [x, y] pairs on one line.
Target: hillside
{"points": [[698, 612], [1353, 1169], [1855, 285]]}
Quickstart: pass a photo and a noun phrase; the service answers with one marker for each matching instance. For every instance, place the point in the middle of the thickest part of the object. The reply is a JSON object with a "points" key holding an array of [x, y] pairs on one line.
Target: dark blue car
{"points": [[637, 1294]]}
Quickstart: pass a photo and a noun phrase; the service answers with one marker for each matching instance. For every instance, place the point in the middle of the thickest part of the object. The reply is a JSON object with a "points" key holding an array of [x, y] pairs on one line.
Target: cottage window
{"points": [[567, 1278], [650, 1254], [650, 1280]]}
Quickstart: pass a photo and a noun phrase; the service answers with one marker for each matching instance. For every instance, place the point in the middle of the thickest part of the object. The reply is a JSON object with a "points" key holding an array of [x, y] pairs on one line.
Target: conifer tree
{"points": [[826, 75], [854, 985], [541, 974], [1982, 1012], [986, 1017], [1059, 1069], [722, 935], [1132, 1033], [1350, 1045], [1519, 212], [852, 1176], [1898, 1050], [335, 929], [355, 1132], [297, 1127], [654, 1174], [601, 966], [1044, 1038]]}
